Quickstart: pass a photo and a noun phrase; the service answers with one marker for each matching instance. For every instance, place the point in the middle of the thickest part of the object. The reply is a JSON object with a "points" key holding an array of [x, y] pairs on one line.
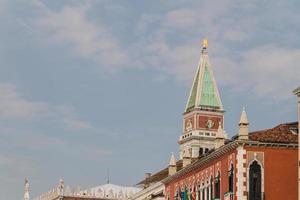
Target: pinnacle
{"points": [[244, 118], [172, 160]]}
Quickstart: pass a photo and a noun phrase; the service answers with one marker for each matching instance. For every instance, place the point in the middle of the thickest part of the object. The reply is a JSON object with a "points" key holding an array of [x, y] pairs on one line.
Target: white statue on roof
{"points": [[111, 191], [26, 189]]}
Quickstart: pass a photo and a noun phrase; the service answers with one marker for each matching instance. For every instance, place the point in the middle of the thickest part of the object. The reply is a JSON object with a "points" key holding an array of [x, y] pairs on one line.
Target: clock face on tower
{"points": [[209, 123]]}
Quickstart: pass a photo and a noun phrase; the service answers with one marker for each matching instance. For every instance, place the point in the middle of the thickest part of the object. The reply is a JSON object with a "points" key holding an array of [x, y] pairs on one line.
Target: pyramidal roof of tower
{"points": [[204, 92]]}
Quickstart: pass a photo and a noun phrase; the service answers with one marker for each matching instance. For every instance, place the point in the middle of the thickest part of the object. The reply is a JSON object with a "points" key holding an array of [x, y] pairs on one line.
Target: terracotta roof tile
{"points": [[283, 133]]}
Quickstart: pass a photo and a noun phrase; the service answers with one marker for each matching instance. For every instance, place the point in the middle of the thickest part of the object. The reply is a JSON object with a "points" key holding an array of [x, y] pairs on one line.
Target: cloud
{"points": [[241, 59], [71, 120], [70, 26], [269, 70], [15, 107], [169, 43]]}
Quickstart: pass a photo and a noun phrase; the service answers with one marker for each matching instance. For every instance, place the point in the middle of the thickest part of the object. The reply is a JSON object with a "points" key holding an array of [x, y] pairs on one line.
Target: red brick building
{"points": [[262, 167]]}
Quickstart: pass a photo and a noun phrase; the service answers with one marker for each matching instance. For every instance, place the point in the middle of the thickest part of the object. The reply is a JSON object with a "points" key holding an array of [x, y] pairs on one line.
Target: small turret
{"points": [[243, 126], [172, 165]]}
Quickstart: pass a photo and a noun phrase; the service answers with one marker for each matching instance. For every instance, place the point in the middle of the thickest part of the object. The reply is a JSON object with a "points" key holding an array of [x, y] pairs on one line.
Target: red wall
{"points": [[281, 173], [222, 164]]}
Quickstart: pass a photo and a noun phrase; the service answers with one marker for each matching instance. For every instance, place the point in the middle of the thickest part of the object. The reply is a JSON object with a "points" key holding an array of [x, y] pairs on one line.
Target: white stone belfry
{"points": [[243, 126], [172, 165], [26, 190]]}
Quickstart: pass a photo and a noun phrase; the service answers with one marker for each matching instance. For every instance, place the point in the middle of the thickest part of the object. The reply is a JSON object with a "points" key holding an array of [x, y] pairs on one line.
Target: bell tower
{"points": [[203, 112]]}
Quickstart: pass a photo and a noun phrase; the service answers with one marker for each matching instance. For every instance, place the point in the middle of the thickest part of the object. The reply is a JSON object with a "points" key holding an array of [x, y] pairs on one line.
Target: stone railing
{"points": [[50, 195], [78, 192]]}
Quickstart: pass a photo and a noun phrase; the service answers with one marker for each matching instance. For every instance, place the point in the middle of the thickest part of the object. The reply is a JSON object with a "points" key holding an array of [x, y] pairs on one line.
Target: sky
{"points": [[92, 85]]}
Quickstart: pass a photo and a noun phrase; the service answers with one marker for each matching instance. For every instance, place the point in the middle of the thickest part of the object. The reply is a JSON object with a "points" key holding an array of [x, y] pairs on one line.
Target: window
{"points": [[206, 150], [230, 179], [207, 191], [199, 192], [255, 181], [200, 152], [211, 188], [203, 192], [217, 186]]}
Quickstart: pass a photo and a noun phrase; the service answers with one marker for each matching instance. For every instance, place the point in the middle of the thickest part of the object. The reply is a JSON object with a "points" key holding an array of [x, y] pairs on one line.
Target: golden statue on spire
{"points": [[205, 43]]}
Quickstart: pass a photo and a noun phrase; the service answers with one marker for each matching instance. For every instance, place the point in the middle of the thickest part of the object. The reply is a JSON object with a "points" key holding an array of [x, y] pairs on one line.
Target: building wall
{"points": [[204, 173], [280, 172], [149, 192]]}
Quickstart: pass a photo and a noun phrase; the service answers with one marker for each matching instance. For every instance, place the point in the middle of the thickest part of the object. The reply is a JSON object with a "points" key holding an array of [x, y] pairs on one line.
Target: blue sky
{"points": [[91, 85]]}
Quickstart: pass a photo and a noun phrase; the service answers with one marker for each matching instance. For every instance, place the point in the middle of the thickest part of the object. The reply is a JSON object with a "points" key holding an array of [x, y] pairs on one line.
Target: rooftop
{"points": [[286, 133]]}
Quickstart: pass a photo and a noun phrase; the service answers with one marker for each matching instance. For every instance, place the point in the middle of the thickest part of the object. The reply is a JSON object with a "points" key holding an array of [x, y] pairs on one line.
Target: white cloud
{"points": [[183, 18], [223, 25], [71, 120], [267, 70], [14, 106], [70, 26]]}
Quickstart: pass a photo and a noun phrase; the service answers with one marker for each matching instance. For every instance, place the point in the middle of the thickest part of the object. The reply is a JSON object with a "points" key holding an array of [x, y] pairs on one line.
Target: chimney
{"points": [[243, 126], [172, 165], [186, 160], [220, 138]]}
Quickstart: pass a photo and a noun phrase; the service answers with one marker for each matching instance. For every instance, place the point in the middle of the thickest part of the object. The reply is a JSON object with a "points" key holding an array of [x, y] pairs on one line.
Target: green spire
{"points": [[208, 96], [192, 99], [204, 92]]}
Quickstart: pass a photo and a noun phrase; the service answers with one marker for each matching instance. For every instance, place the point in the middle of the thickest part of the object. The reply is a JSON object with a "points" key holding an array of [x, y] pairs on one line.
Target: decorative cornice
{"points": [[148, 189]]}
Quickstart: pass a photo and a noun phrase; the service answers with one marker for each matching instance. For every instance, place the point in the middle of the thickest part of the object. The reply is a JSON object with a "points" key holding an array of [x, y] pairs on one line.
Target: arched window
{"points": [[203, 192], [206, 150], [200, 152], [211, 188], [199, 192], [255, 181], [207, 190], [217, 186], [176, 196], [230, 179]]}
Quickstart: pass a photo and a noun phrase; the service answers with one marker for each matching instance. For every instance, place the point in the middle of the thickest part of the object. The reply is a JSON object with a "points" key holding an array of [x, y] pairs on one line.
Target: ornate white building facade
{"points": [[106, 191]]}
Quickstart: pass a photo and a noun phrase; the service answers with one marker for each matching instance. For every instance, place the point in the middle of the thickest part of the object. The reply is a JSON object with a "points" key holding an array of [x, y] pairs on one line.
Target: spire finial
{"points": [[172, 160], [244, 118], [205, 43]]}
